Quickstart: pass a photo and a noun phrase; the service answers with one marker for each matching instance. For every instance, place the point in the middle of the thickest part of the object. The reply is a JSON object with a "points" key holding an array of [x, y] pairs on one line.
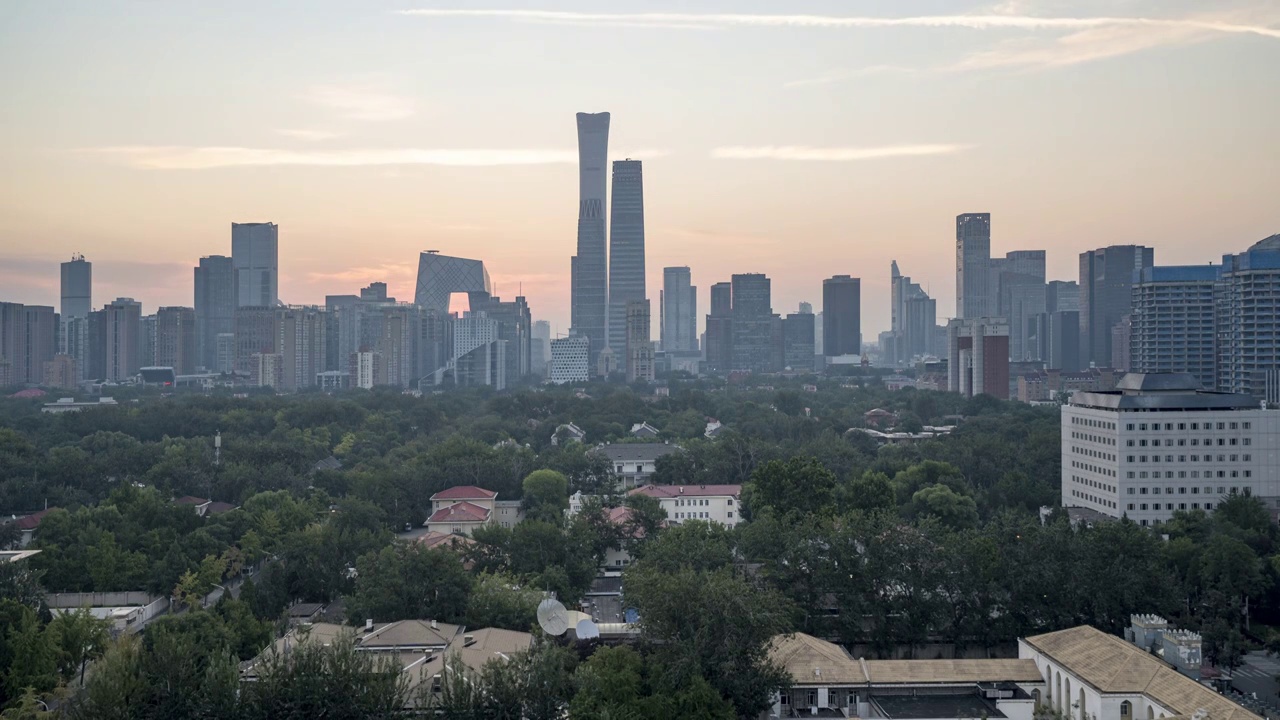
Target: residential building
{"points": [[719, 341], [73, 340], [176, 339], [710, 503], [364, 370], [13, 341], [460, 510], [973, 260], [639, 342], [1159, 443], [589, 283], [148, 327], [978, 360], [61, 372], [1106, 296], [752, 313], [440, 276], [1173, 325], [1121, 343], [115, 338], [266, 370], [1088, 674], [797, 342], [215, 307], [257, 332], [634, 464], [841, 316], [255, 258], [626, 249], [397, 342], [302, 347], [679, 315], [1247, 301], [40, 344], [570, 359]]}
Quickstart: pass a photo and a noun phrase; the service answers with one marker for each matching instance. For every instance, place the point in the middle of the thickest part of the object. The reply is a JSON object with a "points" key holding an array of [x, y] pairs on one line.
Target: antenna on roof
{"points": [[587, 629], [552, 617]]}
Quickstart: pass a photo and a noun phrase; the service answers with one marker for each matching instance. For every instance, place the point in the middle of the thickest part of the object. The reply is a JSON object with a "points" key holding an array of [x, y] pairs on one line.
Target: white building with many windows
{"points": [[710, 503], [1158, 444]]}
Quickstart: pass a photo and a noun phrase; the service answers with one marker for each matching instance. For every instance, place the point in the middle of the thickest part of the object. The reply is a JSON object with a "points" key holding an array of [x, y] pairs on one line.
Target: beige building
{"points": [[711, 503], [461, 509]]}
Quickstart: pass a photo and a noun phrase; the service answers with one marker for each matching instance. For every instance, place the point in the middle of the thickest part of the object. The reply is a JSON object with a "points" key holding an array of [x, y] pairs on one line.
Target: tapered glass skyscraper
{"points": [[589, 284], [626, 248]]}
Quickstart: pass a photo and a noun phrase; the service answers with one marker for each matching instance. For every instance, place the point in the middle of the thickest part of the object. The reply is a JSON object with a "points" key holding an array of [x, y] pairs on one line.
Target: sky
{"points": [[801, 139]]}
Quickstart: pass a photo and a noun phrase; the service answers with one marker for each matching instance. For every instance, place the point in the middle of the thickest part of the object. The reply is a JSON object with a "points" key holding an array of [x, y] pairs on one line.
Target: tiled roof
{"points": [[410, 633], [635, 452], [32, 521], [460, 512], [811, 661], [190, 500], [678, 491], [434, 539], [465, 492], [217, 507], [1114, 666]]}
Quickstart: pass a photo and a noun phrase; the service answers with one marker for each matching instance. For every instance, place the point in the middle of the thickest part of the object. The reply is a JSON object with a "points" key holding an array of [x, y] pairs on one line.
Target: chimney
{"points": [[368, 624], [681, 489], [434, 625]]}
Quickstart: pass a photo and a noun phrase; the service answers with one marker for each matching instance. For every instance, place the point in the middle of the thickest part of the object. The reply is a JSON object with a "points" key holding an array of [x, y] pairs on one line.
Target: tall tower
{"points": [[679, 310], [589, 283], [77, 288], [841, 316], [255, 255], [215, 306], [626, 247], [973, 265], [1106, 296]]}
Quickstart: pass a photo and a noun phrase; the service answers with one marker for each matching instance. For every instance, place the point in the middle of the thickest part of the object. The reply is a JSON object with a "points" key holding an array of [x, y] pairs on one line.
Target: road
{"points": [[1258, 675]]}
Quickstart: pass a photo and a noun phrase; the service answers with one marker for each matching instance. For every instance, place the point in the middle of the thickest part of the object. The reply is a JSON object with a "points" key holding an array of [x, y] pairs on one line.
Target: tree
{"points": [[499, 601], [871, 491], [955, 511], [802, 485], [332, 680], [408, 581], [546, 496], [610, 680], [117, 688], [79, 637]]}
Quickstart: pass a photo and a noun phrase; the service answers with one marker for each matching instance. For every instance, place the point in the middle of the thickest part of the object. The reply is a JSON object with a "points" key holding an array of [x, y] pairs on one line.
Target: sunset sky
{"points": [[801, 138]]}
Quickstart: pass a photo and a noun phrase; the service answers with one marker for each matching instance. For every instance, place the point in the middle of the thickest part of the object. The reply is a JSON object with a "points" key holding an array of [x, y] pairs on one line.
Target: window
{"points": [[730, 501], [1142, 426], [1222, 426], [1143, 506], [1130, 506], [1129, 426], [1182, 426], [1182, 506], [1194, 490], [1182, 491], [1208, 506], [729, 514], [1130, 458], [1195, 506], [1142, 491], [1247, 426], [1142, 443], [1129, 443], [1155, 491]]}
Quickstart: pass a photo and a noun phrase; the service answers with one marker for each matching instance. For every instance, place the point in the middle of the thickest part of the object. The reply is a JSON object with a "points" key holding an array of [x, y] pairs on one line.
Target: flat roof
{"points": [[925, 707], [636, 452]]}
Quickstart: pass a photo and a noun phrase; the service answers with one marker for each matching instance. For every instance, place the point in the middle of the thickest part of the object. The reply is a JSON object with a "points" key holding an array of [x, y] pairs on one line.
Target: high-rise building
{"points": [[364, 368], [626, 247], [266, 370], [302, 346], [479, 354], [797, 341], [41, 341], [147, 328], [569, 361], [440, 276], [257, 332], [255, 256], [1056, 339], [77, 288], [376, 292], [1121, 342], [719, 344], [679, 331], [1247, 302], [1106, 296], [1062, 295], [973, 265], [515, 326], [540, 357], [1173, 325], [13, 343], [639, 341], [841, 316], [61, 373], [215, 306], [115, 339], [752, 312], [397, 342], [589, 283], [176, 339], [978, 361]]}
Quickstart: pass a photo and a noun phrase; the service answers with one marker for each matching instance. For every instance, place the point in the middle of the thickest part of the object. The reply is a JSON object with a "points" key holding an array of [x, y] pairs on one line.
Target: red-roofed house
{"points": [[712, 503], [461, 509], [27, 525]]}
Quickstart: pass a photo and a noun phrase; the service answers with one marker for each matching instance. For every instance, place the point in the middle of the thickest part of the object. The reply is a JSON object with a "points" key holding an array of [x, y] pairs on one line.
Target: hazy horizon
{"points": [[801, 140]]}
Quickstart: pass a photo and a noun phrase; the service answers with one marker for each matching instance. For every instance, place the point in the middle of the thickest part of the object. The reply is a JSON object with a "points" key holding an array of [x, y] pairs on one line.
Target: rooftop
{"points": [[434, 539], [925, 707], [812, 661], [32, 521], [465, 492], [1159, 382], [460, 512], [1114, 666], [635, 452], [1162, 391], [677, 491]]}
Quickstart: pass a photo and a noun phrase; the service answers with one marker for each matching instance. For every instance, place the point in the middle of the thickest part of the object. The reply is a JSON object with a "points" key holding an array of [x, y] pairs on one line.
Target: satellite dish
{"points": [[587, 629], [552, 617]]}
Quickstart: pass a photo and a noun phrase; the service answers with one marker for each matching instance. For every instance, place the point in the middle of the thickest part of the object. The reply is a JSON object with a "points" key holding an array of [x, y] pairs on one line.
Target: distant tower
{"points": [[215, 306], [973, 265], [77, 288], [589, 283], [626, 247], [255, 256], [842, 316], [679, 310]]}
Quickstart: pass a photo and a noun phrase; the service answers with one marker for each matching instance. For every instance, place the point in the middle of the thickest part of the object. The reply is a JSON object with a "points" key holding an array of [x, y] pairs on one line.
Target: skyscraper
{"points": [[679, 331], [753, 346], [440, 276], [13, 343], [215, 306], [1173, 327], [626, 247], [540, 357], [973, 260], [797, 341], [77, 288], [255, 256], [842, 316], [257, 332], [1062, 295], [639, 342], [515, 326], [719, 346], [589, 284], [302, 347], [1106, 295], [978, 361], [116, 340], [176, 339], [569, 360], [1247, 313]]}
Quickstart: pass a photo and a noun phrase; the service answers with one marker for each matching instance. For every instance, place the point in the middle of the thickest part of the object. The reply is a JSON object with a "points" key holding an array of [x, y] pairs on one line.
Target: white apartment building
{"points": [[569, 359], [1158, 444], [712, 503], [634, 464]]}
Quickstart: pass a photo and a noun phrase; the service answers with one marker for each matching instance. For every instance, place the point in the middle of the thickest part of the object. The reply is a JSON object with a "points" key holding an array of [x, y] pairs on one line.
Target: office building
{"points": [[224, 356], [13, 342], [752, 313], [77, 288], [515, 327], [841, 316], [215, 307], [257, 332], [255, 257], [589, 287], [679, 300], [115, 336], [1173, 326], [1159, 444], [805, 308], [1247, 301], [1062, 295], [302, 347], [435, 346], [540, 355], [639, 342], [626, 248], [978, 361], [797, 342], [570, 359], [176, 339], [376, 292], [479, 355], [440, 276], [1021, 294], [719, 343], [1055, 337], [1106, 294], [973, 261], [397, 342], [1121, 342]]}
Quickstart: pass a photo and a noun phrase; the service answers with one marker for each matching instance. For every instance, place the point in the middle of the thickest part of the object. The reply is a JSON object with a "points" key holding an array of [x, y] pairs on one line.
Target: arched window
{"points": [[1126, 710], [1035, 698], [1151, 714], [1083, 716]]}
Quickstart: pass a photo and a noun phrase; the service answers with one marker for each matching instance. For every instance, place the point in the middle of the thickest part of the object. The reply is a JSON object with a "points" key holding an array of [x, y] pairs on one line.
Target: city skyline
{"points": [[728, 174]]}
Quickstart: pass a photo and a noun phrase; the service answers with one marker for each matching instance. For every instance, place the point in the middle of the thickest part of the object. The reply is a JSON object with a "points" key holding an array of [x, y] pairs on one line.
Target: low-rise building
{"points": [[65, 405], [1045, 385], [567, 433], [28, 525], [644, 430], [634, 464], [879, 418], [712, 503], [461, 509]]}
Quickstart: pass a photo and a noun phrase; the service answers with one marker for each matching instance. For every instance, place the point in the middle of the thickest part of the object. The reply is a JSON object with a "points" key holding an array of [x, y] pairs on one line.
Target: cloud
{"points": [[832, 154], [370, 101], [973, 22], [398, 273], [180, 157], [309, 135], [840, 75], [1079, 47]]}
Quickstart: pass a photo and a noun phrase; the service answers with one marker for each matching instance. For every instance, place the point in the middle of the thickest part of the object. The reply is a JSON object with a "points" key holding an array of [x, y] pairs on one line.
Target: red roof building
{"points": [[464, 492]]}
